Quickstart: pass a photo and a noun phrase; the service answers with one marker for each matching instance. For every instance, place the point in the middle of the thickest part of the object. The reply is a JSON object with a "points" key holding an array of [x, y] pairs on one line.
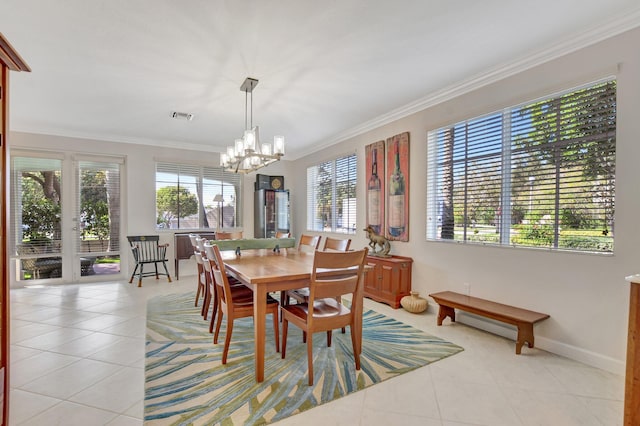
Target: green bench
{"points": [[274, 244]]}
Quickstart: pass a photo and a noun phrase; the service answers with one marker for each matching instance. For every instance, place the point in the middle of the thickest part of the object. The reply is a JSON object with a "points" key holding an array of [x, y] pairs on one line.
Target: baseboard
{"points": [[575, 353]]}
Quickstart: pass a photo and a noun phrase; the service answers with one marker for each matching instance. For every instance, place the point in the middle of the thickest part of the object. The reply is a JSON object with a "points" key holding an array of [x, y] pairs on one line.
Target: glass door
{"points": [[97, 218], [58, 234], [36, 212]]}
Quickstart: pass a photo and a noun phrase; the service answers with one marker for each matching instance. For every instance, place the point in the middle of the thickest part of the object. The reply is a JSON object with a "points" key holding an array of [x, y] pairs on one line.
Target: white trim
{"points": [[575, 353]]}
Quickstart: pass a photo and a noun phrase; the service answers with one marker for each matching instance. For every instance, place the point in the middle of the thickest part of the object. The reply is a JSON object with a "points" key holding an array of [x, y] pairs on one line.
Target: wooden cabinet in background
{"points": [[390, 279]]}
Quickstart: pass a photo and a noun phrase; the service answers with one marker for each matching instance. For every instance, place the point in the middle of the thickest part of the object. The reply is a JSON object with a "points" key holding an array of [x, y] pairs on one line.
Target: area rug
{"points": [[186, 383]]}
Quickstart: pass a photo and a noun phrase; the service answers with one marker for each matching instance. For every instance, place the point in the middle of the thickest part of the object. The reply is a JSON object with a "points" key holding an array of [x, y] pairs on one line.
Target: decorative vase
{"points": [[414, 303]]}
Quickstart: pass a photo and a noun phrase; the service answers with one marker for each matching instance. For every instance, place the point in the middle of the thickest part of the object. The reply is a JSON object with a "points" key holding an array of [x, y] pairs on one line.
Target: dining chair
{"points": [[206, 295], [236, 306], [324, 310], [337, 244], [201, 277], [281, 234], [238, 289], [301, 295], [231, 235], [309, 242]]}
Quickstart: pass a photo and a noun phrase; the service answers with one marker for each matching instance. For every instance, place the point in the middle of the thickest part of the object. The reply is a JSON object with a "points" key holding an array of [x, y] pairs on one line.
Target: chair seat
{"points": [[241, 299], [301, 295], [322, 308]]}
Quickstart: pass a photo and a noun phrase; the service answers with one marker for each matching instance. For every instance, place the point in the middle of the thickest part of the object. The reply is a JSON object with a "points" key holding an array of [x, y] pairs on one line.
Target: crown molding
{"points": [[571, 44]]}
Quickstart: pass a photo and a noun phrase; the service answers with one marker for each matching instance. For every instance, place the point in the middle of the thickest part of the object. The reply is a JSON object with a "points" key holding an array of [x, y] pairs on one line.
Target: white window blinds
{"points": [[331, 195], [540, 174], [185, 197]]}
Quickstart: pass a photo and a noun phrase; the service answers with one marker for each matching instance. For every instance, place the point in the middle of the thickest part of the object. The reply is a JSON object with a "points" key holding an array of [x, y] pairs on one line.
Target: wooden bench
{"points": [[523, 319]]}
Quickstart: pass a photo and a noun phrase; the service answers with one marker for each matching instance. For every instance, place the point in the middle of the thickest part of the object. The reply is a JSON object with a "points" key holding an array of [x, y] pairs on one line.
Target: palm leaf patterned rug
{"points": [[186, 383]]}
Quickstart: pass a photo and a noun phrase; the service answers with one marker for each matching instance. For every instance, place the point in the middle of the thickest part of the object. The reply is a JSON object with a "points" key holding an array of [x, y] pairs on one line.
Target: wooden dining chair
{"points": [[232, 235], [201, 276], [238, 289], [324, 310], [206, 295], [234, 306], [281, 234], [309, 242], [306, 243], [336, 244], [301, 295]]}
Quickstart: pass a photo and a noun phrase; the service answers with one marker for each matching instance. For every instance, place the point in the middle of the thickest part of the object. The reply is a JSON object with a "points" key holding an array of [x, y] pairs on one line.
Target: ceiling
{"points": [[116, 69]]}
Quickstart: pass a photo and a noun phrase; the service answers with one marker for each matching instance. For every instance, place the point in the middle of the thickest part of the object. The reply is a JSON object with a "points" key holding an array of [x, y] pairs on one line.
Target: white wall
{"points": [[586, 295]]}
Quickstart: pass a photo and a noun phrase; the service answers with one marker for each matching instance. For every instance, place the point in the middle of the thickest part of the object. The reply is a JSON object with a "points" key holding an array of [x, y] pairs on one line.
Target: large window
{"points": [[196, 197], [331, 196], [540, 174]]}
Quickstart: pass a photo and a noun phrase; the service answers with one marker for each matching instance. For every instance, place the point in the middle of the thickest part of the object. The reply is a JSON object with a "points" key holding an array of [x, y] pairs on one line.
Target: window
{"points": [[331, 196], [540, 174], [185, 197]]}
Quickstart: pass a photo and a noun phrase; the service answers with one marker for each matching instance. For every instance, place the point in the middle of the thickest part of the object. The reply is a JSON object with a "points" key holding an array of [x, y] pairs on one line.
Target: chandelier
{"points": [[248, 154]]}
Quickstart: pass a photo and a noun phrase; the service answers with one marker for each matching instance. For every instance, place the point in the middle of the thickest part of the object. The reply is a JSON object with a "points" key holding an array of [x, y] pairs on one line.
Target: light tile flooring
{"points": [[77, 358]]}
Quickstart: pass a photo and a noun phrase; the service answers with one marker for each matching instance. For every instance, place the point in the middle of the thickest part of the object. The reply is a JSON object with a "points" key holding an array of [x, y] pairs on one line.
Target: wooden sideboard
{"points": [[390, 279]]}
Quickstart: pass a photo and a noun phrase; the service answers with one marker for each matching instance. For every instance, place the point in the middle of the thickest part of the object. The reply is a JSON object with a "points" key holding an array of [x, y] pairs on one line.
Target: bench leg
{"points": [[525, 334], [446, 311]]}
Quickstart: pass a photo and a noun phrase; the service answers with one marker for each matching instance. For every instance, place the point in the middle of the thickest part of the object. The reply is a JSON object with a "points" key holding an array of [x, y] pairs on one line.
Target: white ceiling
{"points": [[116, 69]]}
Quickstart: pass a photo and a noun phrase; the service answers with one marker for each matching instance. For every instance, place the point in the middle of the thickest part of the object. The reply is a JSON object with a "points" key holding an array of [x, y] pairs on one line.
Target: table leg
{"points": [[259, 320], [358, 312]]}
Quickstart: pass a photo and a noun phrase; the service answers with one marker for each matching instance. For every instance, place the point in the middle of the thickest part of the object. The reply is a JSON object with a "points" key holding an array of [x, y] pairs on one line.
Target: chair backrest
{"points": [[345, 269], [309, 242], [200, 244], [145, 248], [233, 235], [218, 272], [336, 244], [192, 238], [281, 234]]}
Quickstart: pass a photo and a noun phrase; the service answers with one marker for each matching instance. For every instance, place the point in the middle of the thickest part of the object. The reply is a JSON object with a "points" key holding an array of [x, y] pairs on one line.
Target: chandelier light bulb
{"points": [[278, 145]]}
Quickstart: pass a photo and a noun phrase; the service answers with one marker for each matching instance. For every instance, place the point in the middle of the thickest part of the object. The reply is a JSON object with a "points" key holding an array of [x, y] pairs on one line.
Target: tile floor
{"points": [[77, 358]]}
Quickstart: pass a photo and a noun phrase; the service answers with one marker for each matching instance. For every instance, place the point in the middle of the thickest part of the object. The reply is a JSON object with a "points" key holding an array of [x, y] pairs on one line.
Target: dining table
{"points": [[266, 271]]}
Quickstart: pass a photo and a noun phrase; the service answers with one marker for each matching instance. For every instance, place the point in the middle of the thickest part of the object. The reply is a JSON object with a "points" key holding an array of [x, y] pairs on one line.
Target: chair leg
{"points": [[205, 303], [276, 321], [214, 307], [310, 359], [140, 275], [329, 338], [285, 327], [217, 332], [197, 293], [134, 273], [356, 355], [227, 340], [155, 265], [167, 271]]}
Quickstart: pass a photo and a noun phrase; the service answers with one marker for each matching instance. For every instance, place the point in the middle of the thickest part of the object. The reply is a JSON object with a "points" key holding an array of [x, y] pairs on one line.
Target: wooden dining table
{"points": [[266, 271]]}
